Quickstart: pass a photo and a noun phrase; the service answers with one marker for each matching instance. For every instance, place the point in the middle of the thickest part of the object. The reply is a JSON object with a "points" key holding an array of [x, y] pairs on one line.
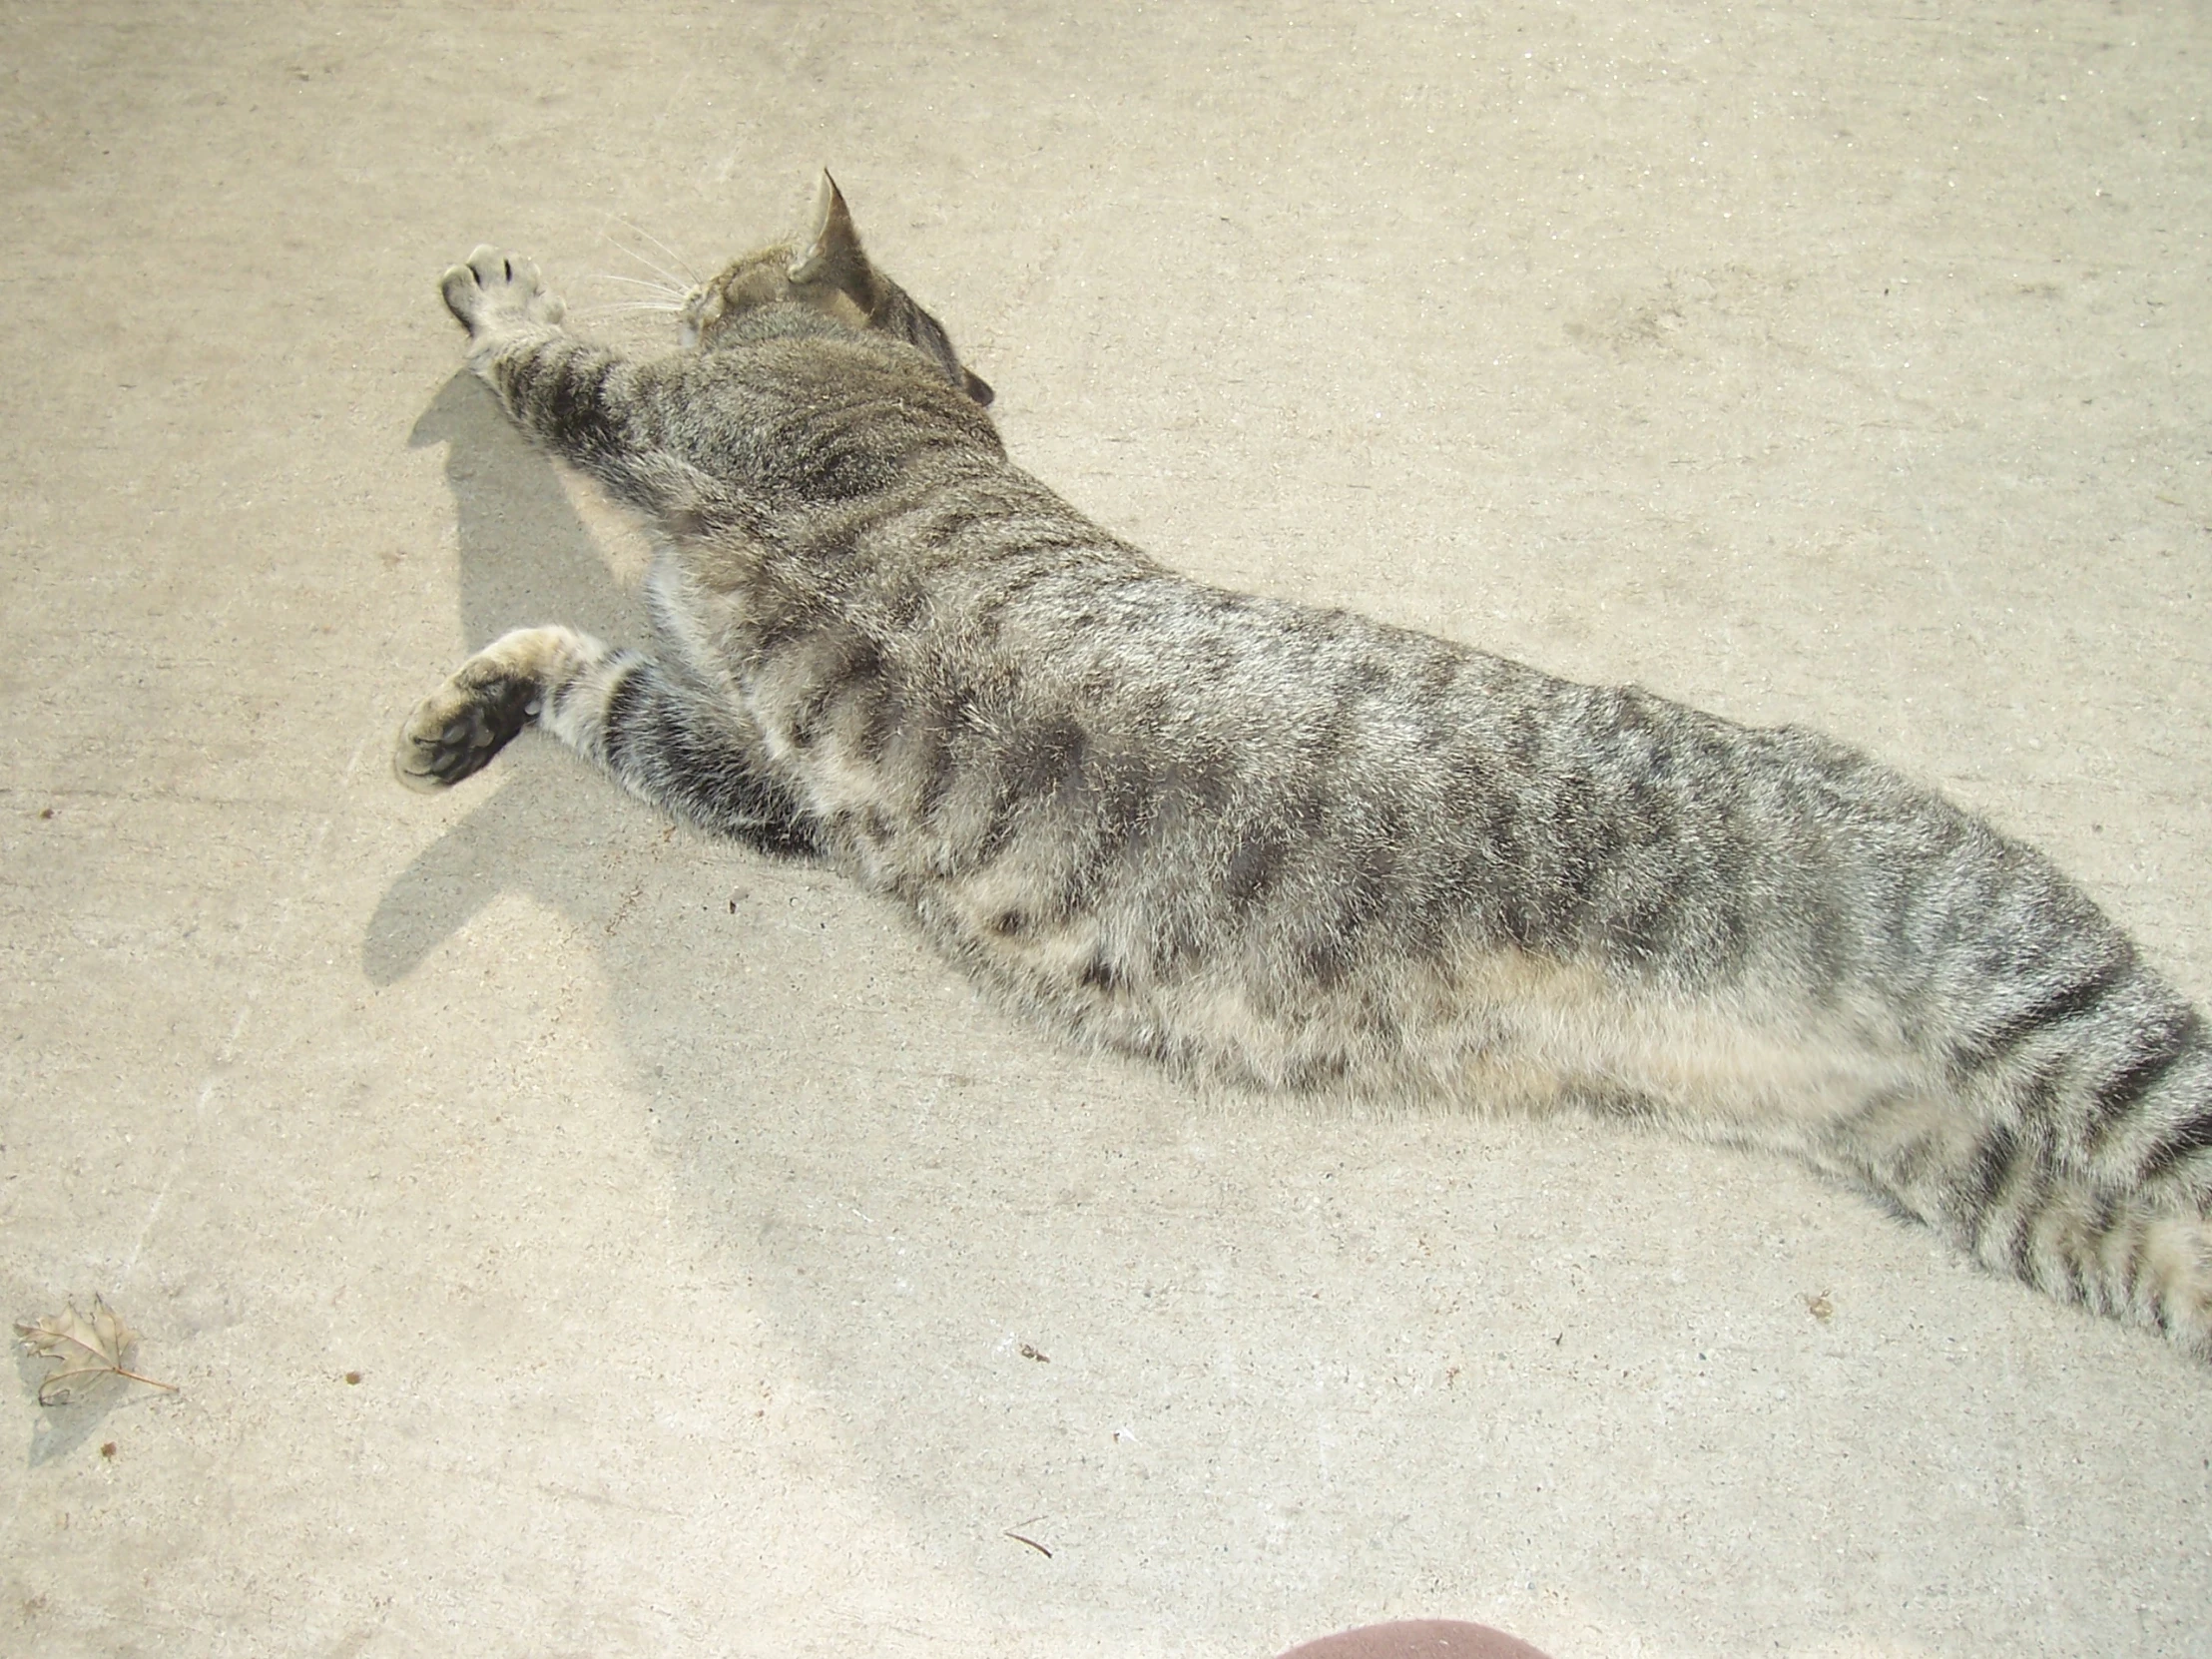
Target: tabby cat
{"points": [[1296, 848]]}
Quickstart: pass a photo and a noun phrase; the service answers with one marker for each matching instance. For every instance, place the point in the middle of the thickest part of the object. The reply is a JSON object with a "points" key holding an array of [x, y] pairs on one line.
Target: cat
{"points": [[1291, 847]]}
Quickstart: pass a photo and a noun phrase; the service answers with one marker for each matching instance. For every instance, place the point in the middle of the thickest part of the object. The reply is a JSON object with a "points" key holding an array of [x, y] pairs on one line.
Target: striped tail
{"points": [[2082, 1163], [2130, 1259]]}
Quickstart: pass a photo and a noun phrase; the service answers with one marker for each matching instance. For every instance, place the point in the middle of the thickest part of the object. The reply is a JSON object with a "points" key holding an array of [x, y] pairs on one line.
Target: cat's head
{"points": [[826, 272]]}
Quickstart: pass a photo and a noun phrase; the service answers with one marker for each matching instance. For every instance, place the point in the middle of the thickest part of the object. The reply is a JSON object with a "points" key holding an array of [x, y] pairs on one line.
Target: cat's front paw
{"points": [[458, 728], [496, 290]]}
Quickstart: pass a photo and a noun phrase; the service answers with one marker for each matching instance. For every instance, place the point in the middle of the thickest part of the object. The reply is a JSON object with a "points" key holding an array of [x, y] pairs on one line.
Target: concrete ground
{"points": [[719, 1274]]}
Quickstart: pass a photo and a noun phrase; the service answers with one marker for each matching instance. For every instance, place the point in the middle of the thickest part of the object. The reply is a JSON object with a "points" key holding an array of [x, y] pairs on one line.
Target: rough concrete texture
{"points": [[721, 1275]]}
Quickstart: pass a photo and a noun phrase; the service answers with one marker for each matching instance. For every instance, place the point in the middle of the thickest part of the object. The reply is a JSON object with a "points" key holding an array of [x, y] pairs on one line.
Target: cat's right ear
{"points": [[831, 253]]}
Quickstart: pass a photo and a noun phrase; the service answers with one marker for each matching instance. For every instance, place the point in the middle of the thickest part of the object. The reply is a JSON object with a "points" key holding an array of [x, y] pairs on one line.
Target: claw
{"points": [[495, 285]]}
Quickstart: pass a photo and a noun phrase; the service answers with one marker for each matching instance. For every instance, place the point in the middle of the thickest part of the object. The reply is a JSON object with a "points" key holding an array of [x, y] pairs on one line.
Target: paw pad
{"points": [[458, 729], [495, 288]]}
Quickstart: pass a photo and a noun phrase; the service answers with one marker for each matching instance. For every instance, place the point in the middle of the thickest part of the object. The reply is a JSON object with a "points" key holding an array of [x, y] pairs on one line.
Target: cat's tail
{"points": [[2128, 1259], [2084, 1164]]}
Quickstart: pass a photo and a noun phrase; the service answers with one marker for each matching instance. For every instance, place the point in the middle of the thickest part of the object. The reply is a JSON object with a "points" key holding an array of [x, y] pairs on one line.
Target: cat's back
{"points": [[953, 662], [801, 414]]}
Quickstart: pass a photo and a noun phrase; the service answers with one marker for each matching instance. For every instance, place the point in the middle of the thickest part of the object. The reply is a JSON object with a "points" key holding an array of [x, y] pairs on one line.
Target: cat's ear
{"points": [[830, 257], [830, 252]]}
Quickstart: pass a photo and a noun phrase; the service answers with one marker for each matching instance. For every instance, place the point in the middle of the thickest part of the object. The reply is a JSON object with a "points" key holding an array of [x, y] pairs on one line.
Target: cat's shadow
{"points": [[925, 1222], [525, 558]]}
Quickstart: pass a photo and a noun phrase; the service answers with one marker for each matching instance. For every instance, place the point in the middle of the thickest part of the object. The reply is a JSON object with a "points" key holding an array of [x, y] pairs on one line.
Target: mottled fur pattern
{"points": [[1296, 848]]}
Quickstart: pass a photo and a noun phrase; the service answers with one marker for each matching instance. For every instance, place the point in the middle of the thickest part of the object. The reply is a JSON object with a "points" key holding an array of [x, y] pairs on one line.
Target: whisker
{"points": [[638, 282], [631, 252], [683, 265], [668, 308]]}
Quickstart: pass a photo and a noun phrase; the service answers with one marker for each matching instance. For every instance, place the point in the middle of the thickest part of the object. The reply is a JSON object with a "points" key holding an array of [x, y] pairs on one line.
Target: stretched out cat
{"points": [[1294, 847]]}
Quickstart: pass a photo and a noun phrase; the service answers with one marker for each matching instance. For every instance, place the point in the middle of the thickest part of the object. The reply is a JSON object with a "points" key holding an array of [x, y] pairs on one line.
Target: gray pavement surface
{"points": [[722, 1276]]}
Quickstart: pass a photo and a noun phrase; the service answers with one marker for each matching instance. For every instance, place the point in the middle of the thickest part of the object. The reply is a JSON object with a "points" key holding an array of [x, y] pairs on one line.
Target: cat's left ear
{"points": [[830, 256], [830, 252]]}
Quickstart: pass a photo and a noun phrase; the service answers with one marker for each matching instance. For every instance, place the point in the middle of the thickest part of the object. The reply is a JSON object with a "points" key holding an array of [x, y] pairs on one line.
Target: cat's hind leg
{"points": [[657, 737]]}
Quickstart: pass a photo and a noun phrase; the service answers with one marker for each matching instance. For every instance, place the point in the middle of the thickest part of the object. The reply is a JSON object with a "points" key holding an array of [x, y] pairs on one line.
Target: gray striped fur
{"points": [[1293, 848]]}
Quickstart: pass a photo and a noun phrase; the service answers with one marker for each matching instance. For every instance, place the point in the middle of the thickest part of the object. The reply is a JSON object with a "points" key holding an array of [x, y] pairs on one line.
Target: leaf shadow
{"points": [[60, 1428]]}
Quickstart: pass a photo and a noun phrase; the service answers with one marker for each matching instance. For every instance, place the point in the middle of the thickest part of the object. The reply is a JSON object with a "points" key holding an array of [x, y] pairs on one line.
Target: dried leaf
{"points": [[86, 1350]]}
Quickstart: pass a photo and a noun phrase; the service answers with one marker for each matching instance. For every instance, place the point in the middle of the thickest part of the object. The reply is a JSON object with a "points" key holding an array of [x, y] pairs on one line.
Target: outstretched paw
{"points": [[458, 728], [495, 291]]}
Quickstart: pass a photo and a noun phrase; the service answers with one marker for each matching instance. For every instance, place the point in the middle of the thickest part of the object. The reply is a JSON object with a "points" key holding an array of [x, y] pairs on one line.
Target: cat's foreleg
{"points": [[617, 707], [502, 302], [580, 400]]}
